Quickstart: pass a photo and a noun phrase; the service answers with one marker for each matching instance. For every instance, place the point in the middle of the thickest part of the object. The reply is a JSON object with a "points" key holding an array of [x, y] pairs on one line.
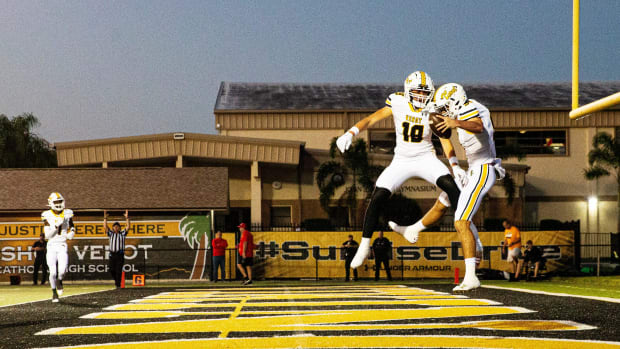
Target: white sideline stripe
{"points": [[603, 299], [206, 340], [41, 300]]}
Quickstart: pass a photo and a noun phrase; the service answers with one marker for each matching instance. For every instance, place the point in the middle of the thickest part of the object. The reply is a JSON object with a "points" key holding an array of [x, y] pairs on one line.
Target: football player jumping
{"points": [[414, 155], [475, 130], [58, 227]]}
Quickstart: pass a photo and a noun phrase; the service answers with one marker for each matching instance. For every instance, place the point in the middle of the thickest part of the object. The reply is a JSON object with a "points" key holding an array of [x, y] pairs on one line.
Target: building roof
{"points": [[146, 189], [171, 145], [290, 96]]}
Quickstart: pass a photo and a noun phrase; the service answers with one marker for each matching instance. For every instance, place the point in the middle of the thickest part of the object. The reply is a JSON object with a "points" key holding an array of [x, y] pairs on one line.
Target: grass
{"points": [[11, 295], [604, 286]]}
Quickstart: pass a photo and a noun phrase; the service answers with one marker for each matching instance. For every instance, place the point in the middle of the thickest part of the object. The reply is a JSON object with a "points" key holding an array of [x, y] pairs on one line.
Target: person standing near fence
{"points": [[39, 260], [382, 250], [219, 255], [349, 248], [117, 246], [512, 241], [245, 258]]}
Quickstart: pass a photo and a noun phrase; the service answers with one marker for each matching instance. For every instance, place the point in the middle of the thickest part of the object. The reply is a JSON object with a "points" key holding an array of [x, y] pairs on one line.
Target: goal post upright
{"points": [[603, 103]]}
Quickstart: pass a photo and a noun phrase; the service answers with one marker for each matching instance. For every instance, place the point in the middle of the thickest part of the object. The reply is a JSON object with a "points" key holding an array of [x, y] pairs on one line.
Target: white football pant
{"points": [[57, 253], [426, 167]]}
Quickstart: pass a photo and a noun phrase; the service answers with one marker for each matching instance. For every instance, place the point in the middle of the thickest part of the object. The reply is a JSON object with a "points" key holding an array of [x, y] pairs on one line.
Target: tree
{"points": [[20, 147], [354, 167], [604, 161]]}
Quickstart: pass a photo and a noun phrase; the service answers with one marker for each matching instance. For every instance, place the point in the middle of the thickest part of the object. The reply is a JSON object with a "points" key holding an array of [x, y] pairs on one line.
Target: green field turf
{"points": [[10, 295], [604, 286]]}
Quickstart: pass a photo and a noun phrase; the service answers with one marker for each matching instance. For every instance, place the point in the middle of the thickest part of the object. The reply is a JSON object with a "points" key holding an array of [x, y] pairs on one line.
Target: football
{"points": [[433, 120]]}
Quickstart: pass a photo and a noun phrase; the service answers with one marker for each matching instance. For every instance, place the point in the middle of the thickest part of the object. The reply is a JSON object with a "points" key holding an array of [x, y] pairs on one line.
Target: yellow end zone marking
{"points": [[233, 316], [365, 342], [172, 305], [288, 323]]}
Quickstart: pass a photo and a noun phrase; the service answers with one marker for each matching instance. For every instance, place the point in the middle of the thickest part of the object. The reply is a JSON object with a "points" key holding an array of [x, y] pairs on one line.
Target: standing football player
{"points": [[58, 227], [414, 155], [472, 120]]}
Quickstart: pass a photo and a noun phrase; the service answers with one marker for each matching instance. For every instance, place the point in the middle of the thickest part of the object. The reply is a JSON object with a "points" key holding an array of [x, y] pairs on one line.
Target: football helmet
{"points": [[56, 202], [419, 89], [451, 98]]}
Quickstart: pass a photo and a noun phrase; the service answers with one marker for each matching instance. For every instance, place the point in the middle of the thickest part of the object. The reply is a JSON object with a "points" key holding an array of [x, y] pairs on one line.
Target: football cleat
{"points": [[54, 296], [60, 288], [467, 285], [360, 256], [410, 232]]}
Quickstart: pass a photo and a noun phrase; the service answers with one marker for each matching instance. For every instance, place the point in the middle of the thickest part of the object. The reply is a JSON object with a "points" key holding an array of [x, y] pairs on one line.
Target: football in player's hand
{"points": [[433, 120]]}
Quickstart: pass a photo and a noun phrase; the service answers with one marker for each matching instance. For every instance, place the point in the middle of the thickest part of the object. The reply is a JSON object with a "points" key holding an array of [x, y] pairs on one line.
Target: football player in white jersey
{"points": [[414, 155], [58, 227], [475, 131]]}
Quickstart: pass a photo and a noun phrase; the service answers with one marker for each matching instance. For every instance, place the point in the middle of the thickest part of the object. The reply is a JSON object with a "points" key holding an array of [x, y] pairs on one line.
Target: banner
{"points": [[158, 248], [179, 250], [435, 255]]}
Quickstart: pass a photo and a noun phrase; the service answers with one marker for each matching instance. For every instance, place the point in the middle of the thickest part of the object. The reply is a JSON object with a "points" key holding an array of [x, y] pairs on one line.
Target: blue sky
{"points": [[98, 69]]}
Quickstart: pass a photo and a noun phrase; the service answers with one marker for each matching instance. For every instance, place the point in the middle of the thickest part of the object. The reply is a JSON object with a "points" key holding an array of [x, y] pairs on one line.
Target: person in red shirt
{"points": [[245, 259], [219, 255]]}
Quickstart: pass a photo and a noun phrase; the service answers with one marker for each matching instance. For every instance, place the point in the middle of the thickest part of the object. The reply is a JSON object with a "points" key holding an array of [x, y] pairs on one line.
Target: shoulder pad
{"points": [[68, 213], [45, 214]]}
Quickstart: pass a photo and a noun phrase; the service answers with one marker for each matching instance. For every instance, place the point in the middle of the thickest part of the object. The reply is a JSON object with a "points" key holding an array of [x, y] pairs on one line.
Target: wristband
{"points": [[354, 130], [454, 161]]}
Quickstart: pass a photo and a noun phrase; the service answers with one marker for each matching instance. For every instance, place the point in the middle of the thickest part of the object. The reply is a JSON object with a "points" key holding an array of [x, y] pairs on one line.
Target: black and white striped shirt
{"points": [[117, 241]]}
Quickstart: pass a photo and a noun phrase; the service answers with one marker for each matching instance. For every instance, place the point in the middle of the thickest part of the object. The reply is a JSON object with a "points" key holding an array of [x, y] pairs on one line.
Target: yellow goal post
{"points": [[603, 103]]}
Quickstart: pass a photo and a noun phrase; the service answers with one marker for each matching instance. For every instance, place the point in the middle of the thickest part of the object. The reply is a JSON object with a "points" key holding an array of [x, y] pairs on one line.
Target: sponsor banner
{"points": [[90, 229], [160, 249], [180, 253], [436, 254]]}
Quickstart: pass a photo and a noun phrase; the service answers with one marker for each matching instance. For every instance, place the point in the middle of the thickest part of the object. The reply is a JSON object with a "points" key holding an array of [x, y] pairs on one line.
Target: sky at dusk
{"points": [[99, 69]]}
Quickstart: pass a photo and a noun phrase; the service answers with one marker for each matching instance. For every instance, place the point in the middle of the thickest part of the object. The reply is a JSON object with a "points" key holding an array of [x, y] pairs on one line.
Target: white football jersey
{"points": [[413, 134], [55, 220], [479, 147]]}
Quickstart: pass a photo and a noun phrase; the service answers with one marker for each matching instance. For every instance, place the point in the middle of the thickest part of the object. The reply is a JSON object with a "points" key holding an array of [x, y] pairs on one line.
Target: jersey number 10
{"points": [[412, 134]]}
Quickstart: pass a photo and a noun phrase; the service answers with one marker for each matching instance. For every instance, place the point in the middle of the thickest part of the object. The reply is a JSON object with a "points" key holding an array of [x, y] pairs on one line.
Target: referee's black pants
{"points": [[386, 263], [116, 262]]}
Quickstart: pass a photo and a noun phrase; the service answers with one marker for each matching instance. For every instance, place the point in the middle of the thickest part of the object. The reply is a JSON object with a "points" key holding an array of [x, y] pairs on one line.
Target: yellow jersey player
{"points": [[58, 228], [472, 120], [414, 155]]}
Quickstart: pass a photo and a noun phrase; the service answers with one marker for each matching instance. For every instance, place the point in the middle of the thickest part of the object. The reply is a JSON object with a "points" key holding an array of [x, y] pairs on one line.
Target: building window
{"points": [[280, 216], [531, 142], [384, 142]]}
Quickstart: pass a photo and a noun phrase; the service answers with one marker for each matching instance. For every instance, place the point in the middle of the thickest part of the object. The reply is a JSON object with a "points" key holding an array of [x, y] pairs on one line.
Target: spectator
{"points": [[349, 248], [512, 241], [39, 260], [531, 255], [245, 259], [382, 251], [219, 255], [117, 246]]}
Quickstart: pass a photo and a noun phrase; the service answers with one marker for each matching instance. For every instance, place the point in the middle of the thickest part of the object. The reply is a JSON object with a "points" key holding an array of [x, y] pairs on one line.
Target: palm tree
{"points": [[196, 229], [604, 161], [352, 167], [20, 147]]}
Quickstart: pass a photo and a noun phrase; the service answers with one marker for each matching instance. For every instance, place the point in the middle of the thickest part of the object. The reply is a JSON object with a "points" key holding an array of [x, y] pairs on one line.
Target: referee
{"points": [[117, 246]]}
